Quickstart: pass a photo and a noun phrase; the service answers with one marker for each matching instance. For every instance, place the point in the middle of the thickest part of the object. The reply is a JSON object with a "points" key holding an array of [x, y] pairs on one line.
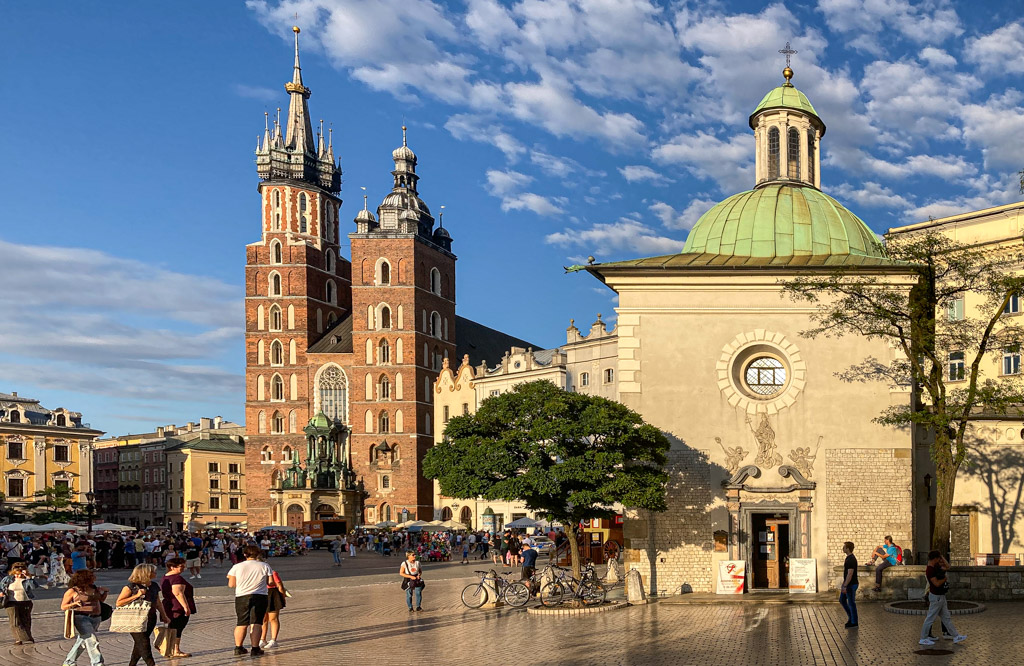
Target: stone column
{"points": [[804, 517], [733, 505], [39, 464], [84, 468]]}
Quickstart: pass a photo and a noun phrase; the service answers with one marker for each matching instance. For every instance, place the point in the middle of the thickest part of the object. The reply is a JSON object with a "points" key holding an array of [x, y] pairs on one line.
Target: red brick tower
{"points": [[297, 285], [403, 304]]}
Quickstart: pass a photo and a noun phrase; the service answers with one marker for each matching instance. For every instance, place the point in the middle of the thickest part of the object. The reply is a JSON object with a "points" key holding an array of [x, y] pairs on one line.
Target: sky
{"points": [[550, 130]]}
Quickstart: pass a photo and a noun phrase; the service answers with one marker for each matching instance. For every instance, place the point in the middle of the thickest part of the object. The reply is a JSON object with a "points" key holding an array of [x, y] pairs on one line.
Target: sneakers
{"points": [[199, 575], [263, 643], [926, 641], [239, 650], [947, 637], [419, 609], [269, 644], [960, 639], [256, 652]]}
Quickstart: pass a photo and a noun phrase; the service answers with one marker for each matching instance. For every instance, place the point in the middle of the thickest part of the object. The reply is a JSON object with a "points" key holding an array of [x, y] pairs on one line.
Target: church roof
{"points": [[719, 261], [786, 96], [483, 343], [336, 340], [781, 220]]}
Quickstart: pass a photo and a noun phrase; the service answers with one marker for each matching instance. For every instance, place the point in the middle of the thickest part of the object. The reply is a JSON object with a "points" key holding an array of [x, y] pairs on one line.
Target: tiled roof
{"points": [[482, 343], [337, 339], [705, 260], [218, 443]]}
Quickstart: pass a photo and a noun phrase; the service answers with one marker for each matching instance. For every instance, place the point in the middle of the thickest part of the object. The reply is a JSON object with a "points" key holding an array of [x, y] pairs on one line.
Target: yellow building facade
{"points": [[42, 448], [206, 482]]}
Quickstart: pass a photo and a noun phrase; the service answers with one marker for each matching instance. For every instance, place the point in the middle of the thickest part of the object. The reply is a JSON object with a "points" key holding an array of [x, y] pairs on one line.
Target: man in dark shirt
{"points": [[848, 593], [528, 558], [937, 607]]}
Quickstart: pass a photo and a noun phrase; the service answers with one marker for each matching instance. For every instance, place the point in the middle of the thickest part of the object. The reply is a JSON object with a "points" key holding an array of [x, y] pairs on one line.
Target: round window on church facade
{"points": [[764, 376]]}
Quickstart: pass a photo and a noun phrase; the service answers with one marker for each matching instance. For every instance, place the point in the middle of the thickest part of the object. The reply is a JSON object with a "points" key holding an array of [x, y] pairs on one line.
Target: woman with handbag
{"points": [[411, 572], [16, 588], [275, 602], [84, 599], [179, 602], [141, 599]]}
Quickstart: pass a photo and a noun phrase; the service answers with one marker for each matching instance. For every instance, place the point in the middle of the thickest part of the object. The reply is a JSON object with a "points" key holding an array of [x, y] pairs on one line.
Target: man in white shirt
{"points": [[309, 542], [250, 579], [218, 550]]}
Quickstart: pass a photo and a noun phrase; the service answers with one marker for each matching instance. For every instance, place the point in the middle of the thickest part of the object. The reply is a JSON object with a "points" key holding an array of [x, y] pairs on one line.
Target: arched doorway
{"points": [[446, 513], [296, 515], [325, 512], [466, 517]]}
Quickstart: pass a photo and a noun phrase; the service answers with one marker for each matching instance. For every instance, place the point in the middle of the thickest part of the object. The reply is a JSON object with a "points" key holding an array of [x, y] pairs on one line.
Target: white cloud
{"points": [[503, 182], [685, 219], [930, 21], [952, 168], [937, 57], [553, 165], [507, 186], [638, 173], [1000, 51], [260, 93], [997, 127], [536, 203], [729, 163], [625, 234], [469, 127], [872, 195]]}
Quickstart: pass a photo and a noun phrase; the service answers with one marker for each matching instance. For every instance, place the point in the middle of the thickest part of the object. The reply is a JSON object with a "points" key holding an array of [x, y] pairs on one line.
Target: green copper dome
{"points": [[781, 220], [786, 96]]}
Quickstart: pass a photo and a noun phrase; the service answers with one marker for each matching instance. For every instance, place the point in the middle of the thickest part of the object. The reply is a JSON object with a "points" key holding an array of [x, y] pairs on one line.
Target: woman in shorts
{"points": [[276, 593]]}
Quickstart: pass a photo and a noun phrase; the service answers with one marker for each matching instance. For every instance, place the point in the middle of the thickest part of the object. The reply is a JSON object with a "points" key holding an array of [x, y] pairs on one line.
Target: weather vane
{"points": [[788, 52]]}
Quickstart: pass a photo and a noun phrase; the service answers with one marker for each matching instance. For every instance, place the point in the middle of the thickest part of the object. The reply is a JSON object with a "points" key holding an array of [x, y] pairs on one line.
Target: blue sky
{"points": [[550, 131]]}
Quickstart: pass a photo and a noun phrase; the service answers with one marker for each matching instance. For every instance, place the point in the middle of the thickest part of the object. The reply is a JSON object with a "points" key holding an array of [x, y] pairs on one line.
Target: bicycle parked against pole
{"points": [[587, 589], [514, 593]]}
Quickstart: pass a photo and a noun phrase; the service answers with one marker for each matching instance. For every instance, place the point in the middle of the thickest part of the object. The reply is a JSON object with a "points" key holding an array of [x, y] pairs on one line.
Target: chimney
{"points": [[217, 421], [14, 393], [160, 431], [205, 423]]}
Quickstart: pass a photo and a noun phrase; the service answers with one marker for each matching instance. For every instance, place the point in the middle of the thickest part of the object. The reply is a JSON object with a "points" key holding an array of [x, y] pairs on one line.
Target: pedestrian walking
{"points": [[465, 552], [250, 579], [352, 546], [179, 602], [17, 590], [84, 598], [336, 547], [142, 586], [192, 560], [412, 571], [848, 592], [938, 585], [276, 594]]}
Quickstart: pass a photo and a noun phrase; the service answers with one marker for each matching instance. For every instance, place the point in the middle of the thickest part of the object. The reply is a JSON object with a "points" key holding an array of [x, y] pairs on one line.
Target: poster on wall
{"points": [[803, 575], [731, 576]]}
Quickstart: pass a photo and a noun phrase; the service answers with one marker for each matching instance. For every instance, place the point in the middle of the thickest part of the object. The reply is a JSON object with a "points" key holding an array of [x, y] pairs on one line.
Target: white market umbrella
{"points": [[452, 525], [428, 527], [17, 527], [522, 523], [112, 527], [63, 527]]}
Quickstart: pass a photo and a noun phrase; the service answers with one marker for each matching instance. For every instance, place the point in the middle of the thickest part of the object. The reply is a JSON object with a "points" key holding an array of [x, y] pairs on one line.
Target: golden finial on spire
{"points": [[403, 135], [295, 29]]}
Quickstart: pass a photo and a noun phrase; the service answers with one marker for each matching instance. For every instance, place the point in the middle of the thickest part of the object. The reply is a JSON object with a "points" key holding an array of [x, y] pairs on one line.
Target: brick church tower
{"points": [[297, 285], [403, 327]]}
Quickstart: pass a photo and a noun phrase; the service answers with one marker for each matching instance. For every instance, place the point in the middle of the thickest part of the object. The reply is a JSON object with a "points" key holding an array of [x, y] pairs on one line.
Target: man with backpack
{"points": [[891, 554]]}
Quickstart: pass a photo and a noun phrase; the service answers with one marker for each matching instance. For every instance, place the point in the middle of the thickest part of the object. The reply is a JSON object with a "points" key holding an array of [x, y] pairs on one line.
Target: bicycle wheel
{"points": [[516, 595], [474, 595], [593, 594], [552, 594]]}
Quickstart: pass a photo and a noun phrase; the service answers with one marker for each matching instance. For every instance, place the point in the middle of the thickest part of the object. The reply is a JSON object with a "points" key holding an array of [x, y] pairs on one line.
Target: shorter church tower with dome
{"points": [[774, 458]]}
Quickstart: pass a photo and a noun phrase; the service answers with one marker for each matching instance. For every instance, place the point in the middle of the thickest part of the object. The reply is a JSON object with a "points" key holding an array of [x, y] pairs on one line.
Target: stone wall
{"points": [[867, 496], [969, 583], [673, 550]]}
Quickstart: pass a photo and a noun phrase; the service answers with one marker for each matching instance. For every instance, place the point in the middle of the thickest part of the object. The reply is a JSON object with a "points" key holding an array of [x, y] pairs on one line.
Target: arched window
{"points": [[385, 317], [331, 319], [810, 155], [436, 359], [293, 425], [260, 352], [793, 153], [330, 292], [333, 386], [292, 352], [385, 482], [277, 423], [385, 389], [773, 152], [291, 316], [276, 353], [266, 455], [275, 318], [276, 256], [260, 314], [435, 324], [384, 352], [385, 273], [275, 284], [303, 214], [395, 453], [385, 423], [286, 454], [435, 281], [368, 425], [262, 420], [277, 211], [329, 261], [277, 388], [446, 513]]}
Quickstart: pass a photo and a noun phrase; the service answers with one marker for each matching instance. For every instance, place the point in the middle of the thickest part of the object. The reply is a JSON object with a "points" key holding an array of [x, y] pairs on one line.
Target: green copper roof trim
{"points": [[781, 220], [786, 97]]}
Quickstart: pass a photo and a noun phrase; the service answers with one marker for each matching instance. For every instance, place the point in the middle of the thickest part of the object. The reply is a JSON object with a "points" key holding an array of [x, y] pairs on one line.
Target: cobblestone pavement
{"points": [[361, 615]]}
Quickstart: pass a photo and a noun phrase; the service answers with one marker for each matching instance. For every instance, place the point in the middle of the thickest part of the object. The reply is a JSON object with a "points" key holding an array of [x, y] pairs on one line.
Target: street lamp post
{"points": [[90, 507]]}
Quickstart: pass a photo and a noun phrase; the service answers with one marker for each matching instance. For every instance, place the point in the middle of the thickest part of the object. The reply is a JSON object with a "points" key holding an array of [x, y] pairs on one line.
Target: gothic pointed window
{"points": [[435, 324], [277, 388], [435, 281], [385, 423], [793, 153], [385, 273], [773, 152], [810, 155], [275, 318], [303, 214], [276, 353], [266, 455], [384, 355], [385, 482], [385, 389], [332, 386], [262, 420], [275, 284], [276, 255], [385, 317], [329, 261], [277, 423], [277, 210], [330, 293]]}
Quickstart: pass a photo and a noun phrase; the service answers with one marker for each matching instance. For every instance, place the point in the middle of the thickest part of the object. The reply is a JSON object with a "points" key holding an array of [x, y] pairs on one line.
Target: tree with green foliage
{"points": [[567, 455], [57, 503], [926, 321]]}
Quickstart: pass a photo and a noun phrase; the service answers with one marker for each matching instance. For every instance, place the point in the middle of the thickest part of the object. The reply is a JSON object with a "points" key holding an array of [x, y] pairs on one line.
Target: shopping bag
{"points": [[164, 642], [69, 624], [131, 618]]}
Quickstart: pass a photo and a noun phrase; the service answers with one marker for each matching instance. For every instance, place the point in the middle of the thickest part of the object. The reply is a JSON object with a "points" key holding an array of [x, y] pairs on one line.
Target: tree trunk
{"points": [[572, 530], [946, 481]]}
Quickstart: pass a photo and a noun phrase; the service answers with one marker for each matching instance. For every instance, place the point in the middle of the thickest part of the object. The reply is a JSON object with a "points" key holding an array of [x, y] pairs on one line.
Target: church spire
{"points": [[299, 130]]}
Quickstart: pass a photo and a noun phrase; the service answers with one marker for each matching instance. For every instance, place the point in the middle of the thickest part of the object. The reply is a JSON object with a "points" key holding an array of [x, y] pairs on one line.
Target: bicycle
{"points": [[587, 589], [514, 593]]}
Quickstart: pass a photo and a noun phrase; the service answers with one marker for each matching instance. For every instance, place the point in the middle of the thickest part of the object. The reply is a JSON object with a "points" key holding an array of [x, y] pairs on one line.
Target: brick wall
{"points": [[682, 535], [867, 496]]}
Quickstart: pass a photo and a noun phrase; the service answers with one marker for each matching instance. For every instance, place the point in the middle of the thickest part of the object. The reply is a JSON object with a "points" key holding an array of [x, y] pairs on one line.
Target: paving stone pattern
{"points": [[353, 622]]}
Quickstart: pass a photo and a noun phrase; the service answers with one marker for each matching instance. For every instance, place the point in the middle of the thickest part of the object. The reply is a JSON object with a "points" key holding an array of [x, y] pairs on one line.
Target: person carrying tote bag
{"points": [[85, 600], [137, 608]]}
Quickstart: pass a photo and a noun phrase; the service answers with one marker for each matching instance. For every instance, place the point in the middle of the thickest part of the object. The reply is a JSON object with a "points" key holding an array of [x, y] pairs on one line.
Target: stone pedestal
{"points": [[635, 592], [492, 595]]}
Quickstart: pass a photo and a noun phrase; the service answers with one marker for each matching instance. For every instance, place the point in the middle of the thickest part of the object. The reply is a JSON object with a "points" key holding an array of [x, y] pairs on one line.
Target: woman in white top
{"points": [[16, 589], [412, 571]]}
